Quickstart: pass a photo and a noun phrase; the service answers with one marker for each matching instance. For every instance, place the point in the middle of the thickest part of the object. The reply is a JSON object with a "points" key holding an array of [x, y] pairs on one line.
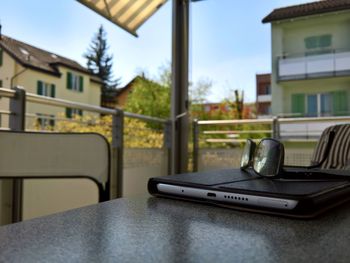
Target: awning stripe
{"points": [[128, 14]]}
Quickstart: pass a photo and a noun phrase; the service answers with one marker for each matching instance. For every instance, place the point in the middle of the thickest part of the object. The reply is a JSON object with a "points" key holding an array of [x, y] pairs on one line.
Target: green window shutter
{"points": [[39, 87], [318, 41], [298, 103], [53, 90], [1, 53], [81, 83], [69, 80], [310, 42], [325, 41], [68, 113], [340, 103]]}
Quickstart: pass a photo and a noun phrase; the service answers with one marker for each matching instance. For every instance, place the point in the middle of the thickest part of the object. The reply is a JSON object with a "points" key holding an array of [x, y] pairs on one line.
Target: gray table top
{"points": [[160, 230]]}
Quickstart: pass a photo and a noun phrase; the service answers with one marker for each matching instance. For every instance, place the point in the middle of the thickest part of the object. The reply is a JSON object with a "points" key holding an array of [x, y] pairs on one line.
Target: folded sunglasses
{"points": [[267, 160]]}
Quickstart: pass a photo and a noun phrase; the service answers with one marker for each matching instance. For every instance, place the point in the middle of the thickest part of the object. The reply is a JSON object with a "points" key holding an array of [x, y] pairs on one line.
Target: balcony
{"points": [[301, 67], [264, 98], [216, 145]]}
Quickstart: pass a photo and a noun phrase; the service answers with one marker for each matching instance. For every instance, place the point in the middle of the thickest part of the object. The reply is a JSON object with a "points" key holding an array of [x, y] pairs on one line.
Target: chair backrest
{"points": [[339, 154], [56, 155]]}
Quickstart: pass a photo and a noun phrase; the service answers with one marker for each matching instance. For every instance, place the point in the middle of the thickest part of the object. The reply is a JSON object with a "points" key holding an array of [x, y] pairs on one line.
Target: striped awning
{"points": [[128, 14]]}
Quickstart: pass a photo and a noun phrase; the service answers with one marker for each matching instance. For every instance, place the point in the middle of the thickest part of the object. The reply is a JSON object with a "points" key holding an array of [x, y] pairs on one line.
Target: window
{"points": [[75, 82], [324, 41], [320, 104], [70, 113], [46, 89], [268, 110], [45, 121], [0, 83], [268, 90]]}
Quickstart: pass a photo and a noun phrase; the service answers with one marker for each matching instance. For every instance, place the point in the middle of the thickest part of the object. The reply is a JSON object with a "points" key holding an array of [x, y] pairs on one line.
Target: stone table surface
{"points": [[148, 229]]}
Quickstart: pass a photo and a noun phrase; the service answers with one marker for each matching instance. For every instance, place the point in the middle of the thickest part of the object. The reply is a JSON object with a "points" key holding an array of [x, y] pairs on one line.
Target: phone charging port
{"points": [[211, 194]]}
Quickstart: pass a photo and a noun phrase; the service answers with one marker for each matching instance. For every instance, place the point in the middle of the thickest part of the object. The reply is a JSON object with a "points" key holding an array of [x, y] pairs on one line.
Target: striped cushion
{"points": [[339, 155]]}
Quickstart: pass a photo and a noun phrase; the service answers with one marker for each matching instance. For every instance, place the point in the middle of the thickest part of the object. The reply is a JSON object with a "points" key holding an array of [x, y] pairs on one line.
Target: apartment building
{"points": [[47, 74], [263, 95], [311, 59]]}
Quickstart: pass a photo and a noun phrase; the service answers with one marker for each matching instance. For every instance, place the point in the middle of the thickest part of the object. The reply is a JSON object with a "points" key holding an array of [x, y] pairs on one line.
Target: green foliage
{"points": [[149, 98], [136, 132], [99, 62], [199, 91], [237, 104]]}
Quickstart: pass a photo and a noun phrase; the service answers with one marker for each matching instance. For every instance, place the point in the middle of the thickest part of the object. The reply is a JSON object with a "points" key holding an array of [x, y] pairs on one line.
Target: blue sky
{"points": [[229, 44]]}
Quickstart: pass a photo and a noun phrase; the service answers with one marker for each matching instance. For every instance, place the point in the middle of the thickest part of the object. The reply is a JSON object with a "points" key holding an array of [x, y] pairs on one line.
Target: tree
{"points": [[236, 103], [239, 102], [99, 62], [152, 97], [199, 91], [149, 98]]}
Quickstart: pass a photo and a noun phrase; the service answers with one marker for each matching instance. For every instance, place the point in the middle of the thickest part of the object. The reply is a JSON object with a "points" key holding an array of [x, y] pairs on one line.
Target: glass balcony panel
{"points": [[264, 98], [320, 64], [292, 66], [313, 66], [139, 166], [342, 61], [213, 159]]}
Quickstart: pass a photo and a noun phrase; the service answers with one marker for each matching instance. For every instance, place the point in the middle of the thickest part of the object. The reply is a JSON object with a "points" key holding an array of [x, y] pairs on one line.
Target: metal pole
{"points": [[167, 144], [195, 145], [17, 123], [118, 149], [179, 100], [275, 128]]}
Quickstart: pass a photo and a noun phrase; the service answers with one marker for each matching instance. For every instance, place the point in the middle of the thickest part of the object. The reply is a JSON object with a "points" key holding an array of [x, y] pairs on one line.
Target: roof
{"points": [[314, 8], [114, 94], [132, 83], [32, 57]]}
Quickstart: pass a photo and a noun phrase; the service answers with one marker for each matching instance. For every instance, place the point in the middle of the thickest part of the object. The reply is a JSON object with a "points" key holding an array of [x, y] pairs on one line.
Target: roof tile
{"points": [[33, 57], [314, 8]]}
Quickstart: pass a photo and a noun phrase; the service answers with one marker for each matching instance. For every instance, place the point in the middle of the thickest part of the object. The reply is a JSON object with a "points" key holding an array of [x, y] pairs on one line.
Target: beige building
{"points": [[45, 73]]}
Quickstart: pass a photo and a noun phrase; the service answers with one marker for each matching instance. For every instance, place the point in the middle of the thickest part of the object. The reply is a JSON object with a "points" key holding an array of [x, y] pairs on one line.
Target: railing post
{"points": [[18, 110], [275, 128], [167, 144], [17, 123], [118, 150], [195, 127]]}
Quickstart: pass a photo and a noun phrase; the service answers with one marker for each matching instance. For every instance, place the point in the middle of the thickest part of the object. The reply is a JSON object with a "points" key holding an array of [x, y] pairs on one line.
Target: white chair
{"points": [[35, 155]]}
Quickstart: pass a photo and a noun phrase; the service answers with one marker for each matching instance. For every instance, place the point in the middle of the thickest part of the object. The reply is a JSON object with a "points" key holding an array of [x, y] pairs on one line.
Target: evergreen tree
{"points": [[99, 62]]}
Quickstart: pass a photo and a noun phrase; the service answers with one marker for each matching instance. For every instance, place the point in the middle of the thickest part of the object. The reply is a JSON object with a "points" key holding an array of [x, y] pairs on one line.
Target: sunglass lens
{"points": [[269, 157], [247, 154]]}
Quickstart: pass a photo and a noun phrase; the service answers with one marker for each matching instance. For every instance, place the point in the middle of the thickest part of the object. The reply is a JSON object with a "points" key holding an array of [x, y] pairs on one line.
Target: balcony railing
{"points": [[309, 66], [217, 144], [264, 98], [132, 166]]}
